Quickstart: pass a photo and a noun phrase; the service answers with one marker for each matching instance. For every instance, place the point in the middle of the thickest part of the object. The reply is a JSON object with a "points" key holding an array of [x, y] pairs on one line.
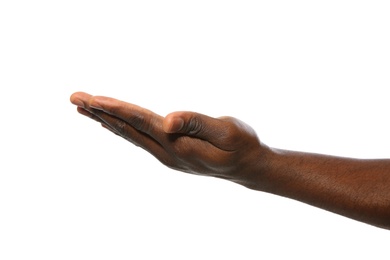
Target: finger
{"points": [[110, 129], [136, 137], [117, 125], [120, 127], [97, 119], [217, 131], [80, 99], [87, 113], [137, 117]]}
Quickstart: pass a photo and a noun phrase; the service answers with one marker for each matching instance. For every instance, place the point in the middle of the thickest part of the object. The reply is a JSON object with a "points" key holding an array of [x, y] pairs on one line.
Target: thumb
{"points": [[173, 123], [193, 124]]}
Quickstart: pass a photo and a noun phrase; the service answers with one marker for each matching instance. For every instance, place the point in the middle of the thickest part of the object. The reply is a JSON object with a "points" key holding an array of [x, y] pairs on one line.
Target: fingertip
{"points": [[83, 111], [172, 124], [75, 101], [78, 97]]}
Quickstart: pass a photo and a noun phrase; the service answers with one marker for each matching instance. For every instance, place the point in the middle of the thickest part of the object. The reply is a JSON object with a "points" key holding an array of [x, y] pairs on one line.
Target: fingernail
{"points": [[177, 124]]}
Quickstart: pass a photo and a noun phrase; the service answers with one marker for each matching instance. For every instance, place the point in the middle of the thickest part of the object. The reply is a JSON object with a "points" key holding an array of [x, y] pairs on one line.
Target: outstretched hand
{"points": [[222, 147], [227, 148]]}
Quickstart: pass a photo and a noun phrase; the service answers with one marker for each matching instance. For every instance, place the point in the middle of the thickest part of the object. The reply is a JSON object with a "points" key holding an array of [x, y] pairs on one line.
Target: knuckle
{"points": [[194, 126], [120, 127], [113, 110], [137, 121], [232, 131]]}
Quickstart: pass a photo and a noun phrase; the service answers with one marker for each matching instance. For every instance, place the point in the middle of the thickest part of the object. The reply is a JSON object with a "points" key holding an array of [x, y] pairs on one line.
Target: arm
{"points": [[355, 188], [229, 149]]}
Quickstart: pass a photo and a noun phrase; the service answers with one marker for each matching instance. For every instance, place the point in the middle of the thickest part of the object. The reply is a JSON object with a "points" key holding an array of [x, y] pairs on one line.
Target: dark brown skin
{"points": [[228, 148]]}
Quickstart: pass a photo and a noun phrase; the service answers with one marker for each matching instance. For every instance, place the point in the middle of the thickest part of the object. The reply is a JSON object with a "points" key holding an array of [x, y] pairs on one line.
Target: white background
{"points": [[307, 75]]}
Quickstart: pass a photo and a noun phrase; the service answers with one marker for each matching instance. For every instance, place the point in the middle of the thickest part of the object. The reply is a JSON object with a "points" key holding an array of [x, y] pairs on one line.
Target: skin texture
{"points": [[228, 148]]}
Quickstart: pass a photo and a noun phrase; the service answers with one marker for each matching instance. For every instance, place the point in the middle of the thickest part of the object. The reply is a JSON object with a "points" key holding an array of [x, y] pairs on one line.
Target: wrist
{"points": [[256, 174]]}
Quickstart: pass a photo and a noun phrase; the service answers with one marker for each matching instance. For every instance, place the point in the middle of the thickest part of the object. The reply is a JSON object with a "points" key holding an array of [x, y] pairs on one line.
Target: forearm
{"points": [[358, 189]]}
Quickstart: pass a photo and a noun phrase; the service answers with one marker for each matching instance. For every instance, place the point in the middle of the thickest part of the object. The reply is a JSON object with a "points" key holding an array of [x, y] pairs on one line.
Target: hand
{"points": [[186, 141]]}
